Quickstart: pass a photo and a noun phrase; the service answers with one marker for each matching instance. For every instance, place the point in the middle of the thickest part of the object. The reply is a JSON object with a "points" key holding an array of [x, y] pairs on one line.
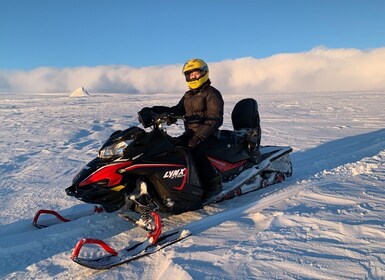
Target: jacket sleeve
{"points": [[214, 116]]}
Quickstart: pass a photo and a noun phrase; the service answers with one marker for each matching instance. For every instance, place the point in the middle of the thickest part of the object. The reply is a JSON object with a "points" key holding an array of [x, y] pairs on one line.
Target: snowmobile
{"points": [[147, 172], [148, 169]]}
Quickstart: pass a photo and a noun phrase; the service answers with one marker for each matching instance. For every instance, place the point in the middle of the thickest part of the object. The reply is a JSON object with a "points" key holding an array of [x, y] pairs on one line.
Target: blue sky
{"points": [[74, 33]]}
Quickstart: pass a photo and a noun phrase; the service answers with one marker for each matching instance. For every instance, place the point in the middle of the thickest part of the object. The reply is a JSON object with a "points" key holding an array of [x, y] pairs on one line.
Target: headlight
{"points": [[115, 150]]}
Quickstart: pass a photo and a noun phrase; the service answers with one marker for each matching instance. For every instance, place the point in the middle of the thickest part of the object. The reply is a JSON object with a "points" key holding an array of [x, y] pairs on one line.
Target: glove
{"points": [[194, 141], [145, 110], [145, 116]]}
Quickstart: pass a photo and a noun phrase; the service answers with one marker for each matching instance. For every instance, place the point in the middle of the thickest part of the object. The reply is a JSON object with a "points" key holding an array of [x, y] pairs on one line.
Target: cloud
{"points": [[320, 69]]}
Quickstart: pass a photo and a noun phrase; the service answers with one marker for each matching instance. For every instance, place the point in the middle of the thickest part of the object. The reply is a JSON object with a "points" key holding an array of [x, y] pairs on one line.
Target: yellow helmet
{"points": [[193, 65]]}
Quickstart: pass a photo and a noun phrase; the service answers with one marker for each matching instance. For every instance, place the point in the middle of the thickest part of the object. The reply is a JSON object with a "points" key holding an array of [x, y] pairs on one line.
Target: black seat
{"points": [[244, 141], [245, 118], [245, 114]]}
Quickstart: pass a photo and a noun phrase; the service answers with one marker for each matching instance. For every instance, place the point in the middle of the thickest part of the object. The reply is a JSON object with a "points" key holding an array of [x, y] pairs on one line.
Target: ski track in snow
{"points": [[325, 222]]}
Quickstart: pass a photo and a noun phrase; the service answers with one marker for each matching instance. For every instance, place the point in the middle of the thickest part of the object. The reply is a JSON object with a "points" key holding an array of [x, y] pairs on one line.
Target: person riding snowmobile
{"points": [[202, 106]]}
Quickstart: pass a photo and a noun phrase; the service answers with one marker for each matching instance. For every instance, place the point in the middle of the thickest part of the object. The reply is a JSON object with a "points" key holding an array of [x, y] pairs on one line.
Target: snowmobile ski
{"points": [[128, 254], [62, 217]]}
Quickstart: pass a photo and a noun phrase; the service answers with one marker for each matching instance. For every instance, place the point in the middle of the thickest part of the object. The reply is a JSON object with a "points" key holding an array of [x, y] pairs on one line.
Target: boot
{"points": [[214, 187]]}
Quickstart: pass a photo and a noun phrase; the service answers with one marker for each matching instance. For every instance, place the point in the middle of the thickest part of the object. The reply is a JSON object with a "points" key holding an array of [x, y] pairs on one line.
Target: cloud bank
{"points": [[319, 69]]}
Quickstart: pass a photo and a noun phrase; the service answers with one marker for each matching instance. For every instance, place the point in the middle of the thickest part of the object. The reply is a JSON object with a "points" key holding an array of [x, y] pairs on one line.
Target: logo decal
{"points": [[178, 173]]}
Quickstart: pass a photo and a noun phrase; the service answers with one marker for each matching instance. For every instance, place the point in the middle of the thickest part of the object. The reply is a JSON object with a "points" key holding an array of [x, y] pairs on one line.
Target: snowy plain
{"points": [[327, 221]]}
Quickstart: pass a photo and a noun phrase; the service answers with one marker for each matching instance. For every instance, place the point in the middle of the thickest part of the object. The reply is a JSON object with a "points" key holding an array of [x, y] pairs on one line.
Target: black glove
{"points": [[146, 116], [194, 141], [146, 110]]}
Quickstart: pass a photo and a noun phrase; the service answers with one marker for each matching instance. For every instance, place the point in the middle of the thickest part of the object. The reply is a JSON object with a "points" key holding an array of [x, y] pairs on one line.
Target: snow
{"points": [[325, 222]]}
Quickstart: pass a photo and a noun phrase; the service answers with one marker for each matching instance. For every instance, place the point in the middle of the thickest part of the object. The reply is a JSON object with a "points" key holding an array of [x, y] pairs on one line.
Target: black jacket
{"points": [[203, 109]]}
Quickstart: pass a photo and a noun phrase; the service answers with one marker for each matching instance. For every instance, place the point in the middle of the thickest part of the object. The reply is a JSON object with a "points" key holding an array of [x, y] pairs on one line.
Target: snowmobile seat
{"points": [[245, 114], [245, 118], [244, 141], [246, 123]]}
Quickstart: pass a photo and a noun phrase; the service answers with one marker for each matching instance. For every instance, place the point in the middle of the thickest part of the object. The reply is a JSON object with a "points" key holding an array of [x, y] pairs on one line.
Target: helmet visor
{"points": [[190, 78]]}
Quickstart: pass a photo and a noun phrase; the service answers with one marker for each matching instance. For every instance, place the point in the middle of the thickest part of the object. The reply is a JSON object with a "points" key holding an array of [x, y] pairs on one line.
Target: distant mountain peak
{"points": [[80, 92]]}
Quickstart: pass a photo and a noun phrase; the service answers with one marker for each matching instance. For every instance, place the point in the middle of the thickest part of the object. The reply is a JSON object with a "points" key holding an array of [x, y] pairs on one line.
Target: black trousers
{"points": [[206, 170]]}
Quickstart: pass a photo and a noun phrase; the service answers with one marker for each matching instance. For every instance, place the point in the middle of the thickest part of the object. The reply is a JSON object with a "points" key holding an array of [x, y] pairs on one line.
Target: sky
{"points": [[138, 34]]}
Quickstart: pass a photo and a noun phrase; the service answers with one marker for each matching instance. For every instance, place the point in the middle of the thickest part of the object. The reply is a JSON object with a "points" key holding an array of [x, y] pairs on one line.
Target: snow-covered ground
{"points": [[325, 222]]}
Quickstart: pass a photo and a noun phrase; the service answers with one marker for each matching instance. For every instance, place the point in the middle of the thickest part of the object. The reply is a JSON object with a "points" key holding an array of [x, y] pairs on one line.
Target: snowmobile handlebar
{"points": [[166, 118], [148, 118]]}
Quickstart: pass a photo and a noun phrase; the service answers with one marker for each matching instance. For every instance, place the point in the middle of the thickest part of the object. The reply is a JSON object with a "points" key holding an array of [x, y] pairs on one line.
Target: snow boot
{"points": [[214, 187]]}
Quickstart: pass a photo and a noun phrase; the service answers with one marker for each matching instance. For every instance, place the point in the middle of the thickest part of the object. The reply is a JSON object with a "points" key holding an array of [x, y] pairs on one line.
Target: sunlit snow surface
{"points": [[325, 222]]}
